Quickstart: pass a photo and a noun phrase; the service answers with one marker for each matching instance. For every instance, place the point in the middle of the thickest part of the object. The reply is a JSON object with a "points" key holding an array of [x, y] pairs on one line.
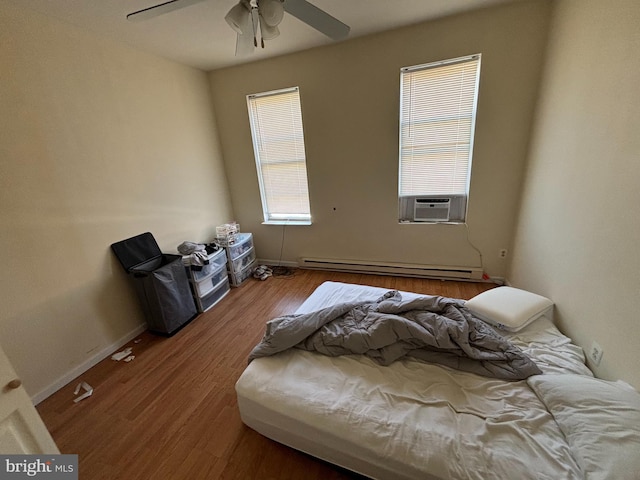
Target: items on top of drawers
{"points": [[226, 234]]}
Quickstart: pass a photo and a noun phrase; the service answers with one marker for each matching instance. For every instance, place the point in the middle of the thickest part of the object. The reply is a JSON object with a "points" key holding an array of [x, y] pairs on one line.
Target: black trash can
{"points": [[160, 281]]}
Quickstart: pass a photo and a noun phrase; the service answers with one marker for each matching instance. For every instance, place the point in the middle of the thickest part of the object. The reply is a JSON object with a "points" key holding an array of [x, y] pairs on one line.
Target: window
{"points": [[278, 145], [437, 120]]}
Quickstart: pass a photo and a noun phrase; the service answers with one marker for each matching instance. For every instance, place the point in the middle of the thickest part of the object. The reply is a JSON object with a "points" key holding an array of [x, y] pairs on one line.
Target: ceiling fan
{"points": [[258, 19]]}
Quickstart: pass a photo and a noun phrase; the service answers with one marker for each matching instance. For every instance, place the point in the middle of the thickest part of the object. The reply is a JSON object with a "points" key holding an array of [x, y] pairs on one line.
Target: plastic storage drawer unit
{"points": [[241, 258]]}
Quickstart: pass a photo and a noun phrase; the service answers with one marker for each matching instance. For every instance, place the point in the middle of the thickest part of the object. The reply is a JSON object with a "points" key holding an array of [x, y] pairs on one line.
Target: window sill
{"points": [[287, 222], [435, 222]]}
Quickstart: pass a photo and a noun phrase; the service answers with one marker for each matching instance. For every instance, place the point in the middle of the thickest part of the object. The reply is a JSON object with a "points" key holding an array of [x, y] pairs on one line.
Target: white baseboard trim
{"points": [[280, 263], [86, 365], [264, 261], [444, 272]]}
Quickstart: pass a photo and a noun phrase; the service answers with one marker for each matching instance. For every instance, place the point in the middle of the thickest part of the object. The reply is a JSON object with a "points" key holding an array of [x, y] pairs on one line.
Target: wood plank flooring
{"points": [[171, 413]]}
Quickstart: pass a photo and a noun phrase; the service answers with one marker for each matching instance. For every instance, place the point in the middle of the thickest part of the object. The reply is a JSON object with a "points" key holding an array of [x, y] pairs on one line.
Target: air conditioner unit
{"points": [[431, 209]]}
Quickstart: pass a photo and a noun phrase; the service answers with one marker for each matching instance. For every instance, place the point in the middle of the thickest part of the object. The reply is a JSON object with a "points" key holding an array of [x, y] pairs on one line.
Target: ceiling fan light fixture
{"points": [[267, 32], [244, 44], [271, 11], [237, 17]]}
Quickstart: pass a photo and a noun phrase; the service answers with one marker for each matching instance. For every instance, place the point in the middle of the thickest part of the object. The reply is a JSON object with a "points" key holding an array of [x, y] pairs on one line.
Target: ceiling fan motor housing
{"points": [[253, 19]]}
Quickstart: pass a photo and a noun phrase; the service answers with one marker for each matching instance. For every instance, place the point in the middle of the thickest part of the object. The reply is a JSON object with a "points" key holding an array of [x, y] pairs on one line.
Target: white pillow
{"points": [[509, 308], [599, 419]]}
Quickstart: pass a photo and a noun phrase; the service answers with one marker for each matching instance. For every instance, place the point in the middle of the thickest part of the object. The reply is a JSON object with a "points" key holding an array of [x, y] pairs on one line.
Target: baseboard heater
{"points": [[400, 269]]}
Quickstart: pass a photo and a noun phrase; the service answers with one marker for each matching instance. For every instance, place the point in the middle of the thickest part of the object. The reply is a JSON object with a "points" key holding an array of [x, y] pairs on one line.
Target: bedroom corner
{"points": [[100, 142], [576, 240]]}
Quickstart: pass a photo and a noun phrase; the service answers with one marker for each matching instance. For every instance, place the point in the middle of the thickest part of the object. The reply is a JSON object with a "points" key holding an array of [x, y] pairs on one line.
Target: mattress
{"points": [[411, 420]]}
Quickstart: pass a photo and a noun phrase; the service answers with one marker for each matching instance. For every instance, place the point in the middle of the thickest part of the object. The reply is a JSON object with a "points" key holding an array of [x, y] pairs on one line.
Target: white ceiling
{"points": [[198, 35]]}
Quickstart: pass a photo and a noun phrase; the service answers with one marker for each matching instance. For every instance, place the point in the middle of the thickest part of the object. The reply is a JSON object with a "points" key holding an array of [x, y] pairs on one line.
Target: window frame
{"points": [[406, 121], [297, 135]]}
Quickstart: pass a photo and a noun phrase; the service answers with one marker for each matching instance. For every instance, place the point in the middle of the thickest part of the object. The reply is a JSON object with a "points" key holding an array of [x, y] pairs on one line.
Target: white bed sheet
{"points": [[411, 420]]}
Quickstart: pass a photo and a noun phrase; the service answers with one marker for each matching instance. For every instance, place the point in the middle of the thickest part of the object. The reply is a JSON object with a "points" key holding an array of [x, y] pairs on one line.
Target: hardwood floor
{"points": [[171, 413]]}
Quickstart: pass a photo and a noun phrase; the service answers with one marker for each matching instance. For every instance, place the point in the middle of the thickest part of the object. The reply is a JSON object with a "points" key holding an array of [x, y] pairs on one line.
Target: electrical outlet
{"points": [[595, 354], [502, 253]]}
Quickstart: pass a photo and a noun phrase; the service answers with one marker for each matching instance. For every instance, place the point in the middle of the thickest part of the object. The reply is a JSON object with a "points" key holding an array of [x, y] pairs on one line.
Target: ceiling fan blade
{"points": [[317, 18], [161, 9]]}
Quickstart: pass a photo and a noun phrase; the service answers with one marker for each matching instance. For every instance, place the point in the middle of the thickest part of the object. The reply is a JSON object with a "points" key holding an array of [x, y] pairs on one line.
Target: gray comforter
{"points": [[429, 328]]}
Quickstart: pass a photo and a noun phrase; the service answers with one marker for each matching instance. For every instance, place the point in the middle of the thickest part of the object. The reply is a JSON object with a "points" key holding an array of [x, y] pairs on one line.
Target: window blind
{"points": [[278, 143], [437, 119]]}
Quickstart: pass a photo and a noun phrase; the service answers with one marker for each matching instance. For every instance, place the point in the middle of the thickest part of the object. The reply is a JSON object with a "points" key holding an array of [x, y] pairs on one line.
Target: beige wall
{"points": [[577, 238], [350, 103], [98, 143]]}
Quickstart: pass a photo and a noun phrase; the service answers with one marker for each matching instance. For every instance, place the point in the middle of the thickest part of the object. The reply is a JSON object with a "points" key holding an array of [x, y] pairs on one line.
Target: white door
{"points": [[21, 428]]}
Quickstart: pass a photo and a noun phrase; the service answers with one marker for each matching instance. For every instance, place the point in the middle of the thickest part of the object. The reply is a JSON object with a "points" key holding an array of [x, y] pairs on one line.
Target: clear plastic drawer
{"points": [[216, 260], [214, 296], [243, 261], [204, 287], [243, 243], [238, 278]]}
